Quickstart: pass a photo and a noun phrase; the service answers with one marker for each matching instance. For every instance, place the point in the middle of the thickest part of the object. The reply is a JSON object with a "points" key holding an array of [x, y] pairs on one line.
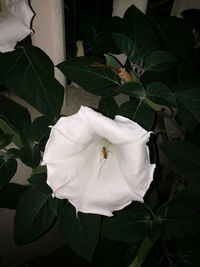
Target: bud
{"points": [[124, 75]]}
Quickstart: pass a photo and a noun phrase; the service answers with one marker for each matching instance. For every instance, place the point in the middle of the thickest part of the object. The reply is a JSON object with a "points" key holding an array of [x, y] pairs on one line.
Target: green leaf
{"points": [[7, 170], [134, 89], [56, 205], [97, 36], [159, 61], [90, 74], [29, 73], [38, 181], [184, 156], [10, 195], [177, 37], [188, 197], [112, 61], [137, 111], [180, 222], [126, 45], [129, 225], [40, 128], [187, 250], [108, 107], [12, 153], [33, 216], [141, 31], [110, 253], [30, 156], [17, 116], [8, 130], [79, 230], [40, 169], [151, 198], [5, 139], [40, 131], [160, 94], [189, 105]]}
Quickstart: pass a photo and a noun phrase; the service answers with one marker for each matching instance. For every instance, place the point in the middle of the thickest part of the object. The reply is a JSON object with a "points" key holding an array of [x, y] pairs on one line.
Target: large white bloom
{"points": [[100, 165], [15, 20]]}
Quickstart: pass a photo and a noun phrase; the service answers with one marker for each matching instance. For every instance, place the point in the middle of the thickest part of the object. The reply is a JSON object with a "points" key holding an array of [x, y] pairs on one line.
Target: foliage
{"points": [[160, 79]]}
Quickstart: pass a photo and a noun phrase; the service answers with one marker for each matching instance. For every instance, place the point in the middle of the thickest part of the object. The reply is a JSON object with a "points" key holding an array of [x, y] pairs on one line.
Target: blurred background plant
{"points": [[161, 84]]}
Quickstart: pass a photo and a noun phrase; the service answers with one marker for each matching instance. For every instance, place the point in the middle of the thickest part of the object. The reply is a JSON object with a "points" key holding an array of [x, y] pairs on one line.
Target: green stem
{"points": [[143, 251]]}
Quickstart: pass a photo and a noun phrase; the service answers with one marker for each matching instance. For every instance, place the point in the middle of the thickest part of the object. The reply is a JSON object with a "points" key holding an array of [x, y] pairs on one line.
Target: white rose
{"points": [[15, 21], [98, 164]]}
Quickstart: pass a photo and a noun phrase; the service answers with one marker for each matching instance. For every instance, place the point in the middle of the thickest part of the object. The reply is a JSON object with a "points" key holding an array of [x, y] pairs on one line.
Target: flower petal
{"points": [[21, 9], [68, 137], [15, 19], [118, 131], [77, 170]]}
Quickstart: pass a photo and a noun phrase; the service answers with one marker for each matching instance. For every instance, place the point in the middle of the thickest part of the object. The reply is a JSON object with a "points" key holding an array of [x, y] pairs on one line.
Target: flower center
{"points": [[105, 149], [104, 153]]}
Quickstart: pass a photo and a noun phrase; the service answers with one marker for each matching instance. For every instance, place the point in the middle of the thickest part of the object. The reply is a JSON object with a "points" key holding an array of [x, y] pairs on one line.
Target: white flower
{"points": [[15, 20], [100, 165]]}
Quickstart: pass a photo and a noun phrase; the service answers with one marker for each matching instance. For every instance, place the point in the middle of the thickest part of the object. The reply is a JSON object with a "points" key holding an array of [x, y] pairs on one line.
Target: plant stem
{"points": [[142, 252]]}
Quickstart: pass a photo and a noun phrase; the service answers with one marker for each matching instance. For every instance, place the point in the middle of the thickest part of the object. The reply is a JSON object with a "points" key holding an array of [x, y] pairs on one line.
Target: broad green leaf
{"points": [[137, 111], [12, 153], [33, 216], [134, 89], [10, 195], [79, 230], [5, 139], [188, 197], [40, 128], [61, 256], [180, 222], [176, 36], [108, 107], [129, 225], [112, 61], [27, 138], [141, 31], [184, 156], [110, 253], [39, 169], [40, 131], [8, 130], [38, 181], [56, 205], [189, 105], [126, 45], [159, 61], [187, 250], [30, 156], [29, 73], [160, 94], [97, 37], [17, 116], [151, 198], [92, 74], [7, 171], [186, 117]]}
